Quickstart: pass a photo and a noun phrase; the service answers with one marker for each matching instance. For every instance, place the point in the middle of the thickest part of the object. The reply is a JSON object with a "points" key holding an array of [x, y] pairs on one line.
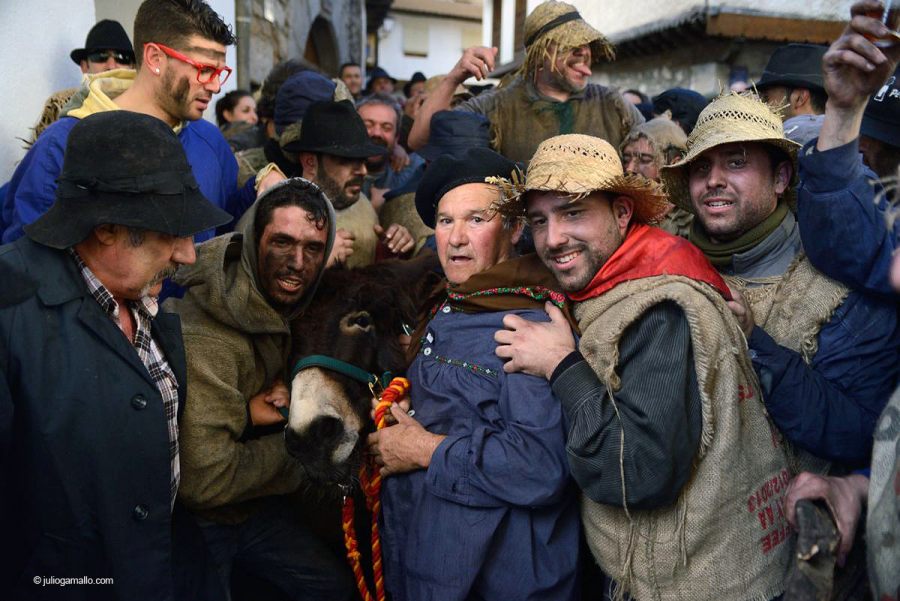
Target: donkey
{"points": [[357, 318]]}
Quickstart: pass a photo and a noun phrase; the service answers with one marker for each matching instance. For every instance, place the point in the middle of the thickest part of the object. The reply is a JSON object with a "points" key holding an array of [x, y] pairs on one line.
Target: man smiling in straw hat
{"points": [[550, 96], [827, 359], [675, 461]]}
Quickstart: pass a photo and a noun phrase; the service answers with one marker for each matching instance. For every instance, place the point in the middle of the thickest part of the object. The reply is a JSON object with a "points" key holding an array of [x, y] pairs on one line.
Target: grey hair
{"points": [[136, 236], [382, 99]]}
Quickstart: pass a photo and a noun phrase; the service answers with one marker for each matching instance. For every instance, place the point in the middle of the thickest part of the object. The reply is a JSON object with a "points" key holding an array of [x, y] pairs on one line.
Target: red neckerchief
{"points": [[647, 252]]}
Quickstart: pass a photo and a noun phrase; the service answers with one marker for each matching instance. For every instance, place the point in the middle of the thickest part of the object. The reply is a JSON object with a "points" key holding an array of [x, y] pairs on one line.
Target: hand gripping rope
{"points": [[370, 479]]}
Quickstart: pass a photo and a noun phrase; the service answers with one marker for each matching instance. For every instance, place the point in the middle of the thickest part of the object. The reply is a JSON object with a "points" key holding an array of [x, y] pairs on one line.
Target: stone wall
{"points": [[703, 67], [337, 27]]}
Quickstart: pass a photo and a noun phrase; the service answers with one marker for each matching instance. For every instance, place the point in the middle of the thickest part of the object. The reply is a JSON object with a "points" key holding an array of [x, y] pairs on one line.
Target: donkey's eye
{"points": [[353, 323]]}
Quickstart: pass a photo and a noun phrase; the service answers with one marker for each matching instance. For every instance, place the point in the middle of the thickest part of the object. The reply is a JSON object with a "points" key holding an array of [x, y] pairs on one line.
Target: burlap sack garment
{"points": [[402, 210], [792, 308], [726, 539], [359, 219], [525, 122]]}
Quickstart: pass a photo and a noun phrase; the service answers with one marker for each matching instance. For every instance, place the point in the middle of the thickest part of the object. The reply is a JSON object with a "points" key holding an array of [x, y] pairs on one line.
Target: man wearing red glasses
{"points": [[180, 63]]}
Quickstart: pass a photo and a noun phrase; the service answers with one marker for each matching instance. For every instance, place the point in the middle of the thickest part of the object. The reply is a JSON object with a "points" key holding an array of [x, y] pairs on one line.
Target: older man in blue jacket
{"points": [[478, 503]]}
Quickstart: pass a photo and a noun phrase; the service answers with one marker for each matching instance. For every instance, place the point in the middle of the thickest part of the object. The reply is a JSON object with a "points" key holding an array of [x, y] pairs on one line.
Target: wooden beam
{"points": [[756, 27]]}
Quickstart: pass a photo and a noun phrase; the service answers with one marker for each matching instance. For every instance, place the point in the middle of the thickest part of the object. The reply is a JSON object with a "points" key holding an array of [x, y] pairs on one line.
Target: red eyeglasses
{"points": [[205, 73]]}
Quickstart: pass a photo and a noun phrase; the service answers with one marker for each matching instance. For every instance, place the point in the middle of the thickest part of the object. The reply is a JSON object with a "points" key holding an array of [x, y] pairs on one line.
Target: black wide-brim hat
{"points": [[794, 66], [105, 35], [335, 128], [126, 169], [449, 172]]}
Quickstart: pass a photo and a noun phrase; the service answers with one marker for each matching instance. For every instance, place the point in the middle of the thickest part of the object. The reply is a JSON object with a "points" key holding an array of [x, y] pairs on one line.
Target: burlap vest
{"points": [[792, 308], [50, 114], [359, 219], [726, 539], [519, 124], [402, 210]]}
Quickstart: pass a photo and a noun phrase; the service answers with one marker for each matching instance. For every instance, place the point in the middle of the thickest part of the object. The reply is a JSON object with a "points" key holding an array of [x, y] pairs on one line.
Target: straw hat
{"points": [[730, 118], [560, 25], [578, 165]]}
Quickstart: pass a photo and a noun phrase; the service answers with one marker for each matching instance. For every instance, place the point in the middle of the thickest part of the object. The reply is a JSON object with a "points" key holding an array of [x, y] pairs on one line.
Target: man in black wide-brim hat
{"points": [[332, 150], [92, 377], [792, 82], [107, 47]]}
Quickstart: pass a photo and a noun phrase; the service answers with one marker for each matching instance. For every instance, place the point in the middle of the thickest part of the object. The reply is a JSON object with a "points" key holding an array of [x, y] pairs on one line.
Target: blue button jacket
{"points": [[830, 406], [494, 516], [32, 189], [841, 212]]}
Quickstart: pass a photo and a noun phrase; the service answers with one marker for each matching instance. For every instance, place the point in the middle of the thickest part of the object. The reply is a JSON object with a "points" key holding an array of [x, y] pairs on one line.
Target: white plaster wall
{"points": [[507, 31], [38, 36], [487, 22], [614, 16], [445, 46]]}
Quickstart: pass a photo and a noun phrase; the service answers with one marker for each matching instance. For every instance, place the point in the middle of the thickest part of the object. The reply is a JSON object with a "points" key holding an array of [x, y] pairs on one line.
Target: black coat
{"points": [[84, 451]]}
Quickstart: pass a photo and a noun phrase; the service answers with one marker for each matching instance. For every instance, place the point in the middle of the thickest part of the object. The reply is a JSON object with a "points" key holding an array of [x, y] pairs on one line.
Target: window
{"points": [[415, 37]]}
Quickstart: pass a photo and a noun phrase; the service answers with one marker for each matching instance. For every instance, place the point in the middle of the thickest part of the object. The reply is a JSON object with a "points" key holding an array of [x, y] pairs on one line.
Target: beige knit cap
{"points": [[556, 27], [730, 118], [578, 165]]}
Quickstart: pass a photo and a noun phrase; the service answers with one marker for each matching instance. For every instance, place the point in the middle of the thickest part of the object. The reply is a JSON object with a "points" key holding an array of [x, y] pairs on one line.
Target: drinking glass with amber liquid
{"points": [[889, 14]]}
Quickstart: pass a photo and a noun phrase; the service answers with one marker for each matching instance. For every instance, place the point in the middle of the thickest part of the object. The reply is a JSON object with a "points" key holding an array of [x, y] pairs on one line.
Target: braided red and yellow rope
{"points": [[370, 479]]}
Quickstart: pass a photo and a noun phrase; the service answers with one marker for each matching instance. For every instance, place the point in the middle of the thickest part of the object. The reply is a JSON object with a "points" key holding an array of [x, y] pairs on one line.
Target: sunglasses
{"points": [[205, 73], [101, 56]]}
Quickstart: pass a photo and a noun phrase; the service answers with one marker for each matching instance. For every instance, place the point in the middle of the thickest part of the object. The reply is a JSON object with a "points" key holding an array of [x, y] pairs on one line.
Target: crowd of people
{"points": [[664, 325]]}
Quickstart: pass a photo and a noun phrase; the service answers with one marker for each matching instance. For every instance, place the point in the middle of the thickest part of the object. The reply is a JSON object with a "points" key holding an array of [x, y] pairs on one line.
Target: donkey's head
{"points": [[356, 319]]}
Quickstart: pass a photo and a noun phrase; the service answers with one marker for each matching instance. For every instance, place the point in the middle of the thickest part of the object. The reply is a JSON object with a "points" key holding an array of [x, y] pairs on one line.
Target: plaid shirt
{"points": [[144, 310]]}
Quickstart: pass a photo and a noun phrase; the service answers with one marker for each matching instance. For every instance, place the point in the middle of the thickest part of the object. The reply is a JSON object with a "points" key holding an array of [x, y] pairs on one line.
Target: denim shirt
{"points": [[494, 516]]}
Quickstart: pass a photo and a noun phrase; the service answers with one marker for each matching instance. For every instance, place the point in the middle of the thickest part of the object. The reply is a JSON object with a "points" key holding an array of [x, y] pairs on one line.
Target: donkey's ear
{"points": [[333, 279], [411, 272]]}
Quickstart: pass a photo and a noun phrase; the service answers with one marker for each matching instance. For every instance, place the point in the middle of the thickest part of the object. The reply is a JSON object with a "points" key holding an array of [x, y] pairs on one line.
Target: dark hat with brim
{"points": [[417, 77], [449, 172], [378, 73], [335, 128], [105, 35], [794, 66], [455, 132], [126, 169], [881, 119]]}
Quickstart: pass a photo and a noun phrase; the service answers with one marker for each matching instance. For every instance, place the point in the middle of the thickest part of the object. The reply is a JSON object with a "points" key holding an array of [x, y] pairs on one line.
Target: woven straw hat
{"points": [[730, 118], [560, 25], [578, 165]]}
